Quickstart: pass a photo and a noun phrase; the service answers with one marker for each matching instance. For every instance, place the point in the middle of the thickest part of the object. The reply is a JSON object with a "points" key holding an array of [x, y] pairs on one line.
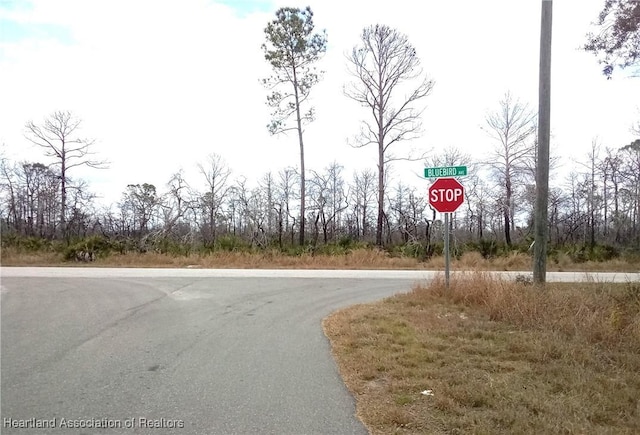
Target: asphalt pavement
{"points": [[185, 355]]}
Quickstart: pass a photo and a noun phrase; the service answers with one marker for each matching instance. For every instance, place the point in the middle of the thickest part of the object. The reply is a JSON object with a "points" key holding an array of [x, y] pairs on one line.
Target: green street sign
{"points": [[445, 171]]}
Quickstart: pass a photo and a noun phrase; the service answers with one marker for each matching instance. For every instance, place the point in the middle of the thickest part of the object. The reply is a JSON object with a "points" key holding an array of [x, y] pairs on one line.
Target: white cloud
{"points": [[161, 84]]}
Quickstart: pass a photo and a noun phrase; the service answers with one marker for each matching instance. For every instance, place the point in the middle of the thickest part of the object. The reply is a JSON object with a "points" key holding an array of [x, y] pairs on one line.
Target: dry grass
{"points": [[521, 261], [356, 259], [499, 357], [13, 257]]}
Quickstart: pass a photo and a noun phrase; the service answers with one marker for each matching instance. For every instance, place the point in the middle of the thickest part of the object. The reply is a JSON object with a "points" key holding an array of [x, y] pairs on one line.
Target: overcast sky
{"points": [[161, 84]]}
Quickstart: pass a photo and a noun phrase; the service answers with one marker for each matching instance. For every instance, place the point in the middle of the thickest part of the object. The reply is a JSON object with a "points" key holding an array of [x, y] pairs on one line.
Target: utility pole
{"points": [[542, 164]]}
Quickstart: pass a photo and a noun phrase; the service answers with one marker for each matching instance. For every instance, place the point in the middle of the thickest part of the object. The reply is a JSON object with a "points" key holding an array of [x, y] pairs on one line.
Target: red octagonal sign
{"points": [[446, 195]]}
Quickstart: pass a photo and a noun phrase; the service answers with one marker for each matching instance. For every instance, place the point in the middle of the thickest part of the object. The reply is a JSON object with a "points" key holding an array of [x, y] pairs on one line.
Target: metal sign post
{"points": [[446, 249]]}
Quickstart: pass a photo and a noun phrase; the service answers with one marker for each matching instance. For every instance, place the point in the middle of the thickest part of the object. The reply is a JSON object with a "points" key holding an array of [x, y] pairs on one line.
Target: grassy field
{"points": [[354, 259], [494, 357]]}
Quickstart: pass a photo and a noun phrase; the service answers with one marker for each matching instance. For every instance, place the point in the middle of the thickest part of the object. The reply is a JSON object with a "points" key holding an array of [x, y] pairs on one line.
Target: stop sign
{"points": [[446, 195]]}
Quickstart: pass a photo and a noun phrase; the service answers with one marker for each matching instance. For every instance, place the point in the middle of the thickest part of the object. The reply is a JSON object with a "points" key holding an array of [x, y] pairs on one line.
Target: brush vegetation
{"points": [[233, 252], [491, 356]]}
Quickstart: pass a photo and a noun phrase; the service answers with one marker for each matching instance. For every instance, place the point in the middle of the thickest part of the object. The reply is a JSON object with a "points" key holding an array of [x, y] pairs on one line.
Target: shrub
{"points": [[346, 242], [414, 250], [35, 244], [88, 249], [231, 243], [334, 249], [604, 253], [29, 244], [488, 248], [172, 247], [599, 253]]}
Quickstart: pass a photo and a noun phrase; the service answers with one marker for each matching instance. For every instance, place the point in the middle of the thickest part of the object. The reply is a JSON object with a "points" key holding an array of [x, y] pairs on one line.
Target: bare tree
{"points": [[175, 204], [450, 156], [590, 190], [611, 170], [58, 136], [142, 202], [28, 193], [216, 173], [477, 198], [10, 194], [384, 65], [631, 176], [81, 212], [285, 194], [267, 184], [329, 200], [251, 207], [337, 196], [362, 196], [34, 178], [408, 207], [512, 126]]}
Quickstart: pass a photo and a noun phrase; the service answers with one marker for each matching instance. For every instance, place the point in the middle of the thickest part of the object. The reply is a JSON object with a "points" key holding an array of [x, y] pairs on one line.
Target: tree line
{"points": [[597, 204]]}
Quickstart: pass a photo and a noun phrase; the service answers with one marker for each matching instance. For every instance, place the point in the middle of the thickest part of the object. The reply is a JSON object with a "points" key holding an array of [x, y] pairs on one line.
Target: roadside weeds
{"points": [[494, 357], [362, 258]]}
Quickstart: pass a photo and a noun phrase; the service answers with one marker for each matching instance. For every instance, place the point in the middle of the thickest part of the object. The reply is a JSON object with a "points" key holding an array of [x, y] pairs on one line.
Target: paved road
{"points": [[214, 351], [223, 355]]}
